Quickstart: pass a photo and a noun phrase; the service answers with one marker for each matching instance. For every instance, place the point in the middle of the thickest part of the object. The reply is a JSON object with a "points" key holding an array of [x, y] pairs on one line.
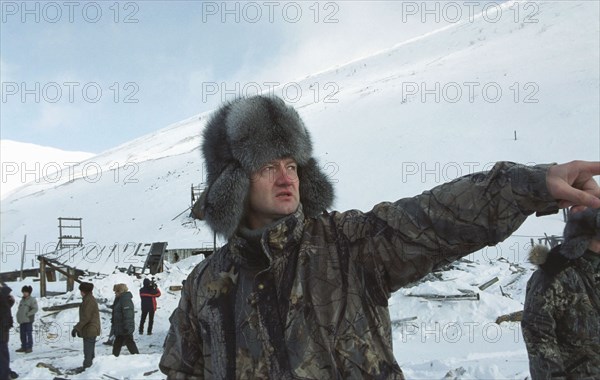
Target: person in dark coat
{"points": [[561, 318], [148, 294], [123, 320], [6, 323], [88, 326]]}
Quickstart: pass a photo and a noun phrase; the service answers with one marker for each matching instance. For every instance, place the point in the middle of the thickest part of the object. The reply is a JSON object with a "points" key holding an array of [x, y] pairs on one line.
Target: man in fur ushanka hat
{"points": [[248, 139], [300, 291], [561, 317]]}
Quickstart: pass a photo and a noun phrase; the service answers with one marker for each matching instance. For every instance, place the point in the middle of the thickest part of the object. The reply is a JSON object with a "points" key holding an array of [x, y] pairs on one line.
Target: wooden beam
{"points": [[489, 283], [56, 268], [70, 278], [62, 307], [42, 277], [450, 297]]}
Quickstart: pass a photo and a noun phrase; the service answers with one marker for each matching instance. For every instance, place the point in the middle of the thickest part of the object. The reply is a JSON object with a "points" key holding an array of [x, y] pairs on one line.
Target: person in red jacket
{"points": [[148, 294]]}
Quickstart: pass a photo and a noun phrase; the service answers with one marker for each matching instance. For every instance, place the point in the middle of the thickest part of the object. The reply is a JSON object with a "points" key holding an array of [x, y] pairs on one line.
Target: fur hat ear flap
{"points": [[574, 248], [316, 192], [225, 200]]}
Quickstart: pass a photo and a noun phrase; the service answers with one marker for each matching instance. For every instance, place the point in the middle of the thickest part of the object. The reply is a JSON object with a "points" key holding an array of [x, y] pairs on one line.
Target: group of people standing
{"points": [[122, 321], [88, 327]]}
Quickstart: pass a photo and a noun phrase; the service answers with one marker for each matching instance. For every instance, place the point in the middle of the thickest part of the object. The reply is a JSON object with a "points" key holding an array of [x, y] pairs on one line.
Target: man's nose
{"points": [[282, 178]]}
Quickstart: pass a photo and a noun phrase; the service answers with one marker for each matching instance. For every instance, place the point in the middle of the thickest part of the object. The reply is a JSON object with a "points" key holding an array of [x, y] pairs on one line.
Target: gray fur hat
{"points": [[240, 137], [581, 228]]}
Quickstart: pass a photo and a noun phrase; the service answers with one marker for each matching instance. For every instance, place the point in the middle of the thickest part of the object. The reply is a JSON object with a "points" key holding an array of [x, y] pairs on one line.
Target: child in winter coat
{"points": [[25, 316]]}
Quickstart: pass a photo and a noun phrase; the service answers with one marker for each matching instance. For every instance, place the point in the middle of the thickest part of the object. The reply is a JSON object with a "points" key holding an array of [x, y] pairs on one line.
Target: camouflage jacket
{"points": [[561, 320], [316, 306]]}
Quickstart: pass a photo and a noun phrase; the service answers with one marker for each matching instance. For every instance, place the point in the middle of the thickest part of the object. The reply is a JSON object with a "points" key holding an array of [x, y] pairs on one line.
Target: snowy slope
{"points": [[25, 162], [383, 138], [376, 132]]}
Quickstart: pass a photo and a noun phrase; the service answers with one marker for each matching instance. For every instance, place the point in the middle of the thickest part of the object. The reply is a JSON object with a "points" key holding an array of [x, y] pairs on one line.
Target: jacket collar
{"points": [[277, 239], [590, 261]]}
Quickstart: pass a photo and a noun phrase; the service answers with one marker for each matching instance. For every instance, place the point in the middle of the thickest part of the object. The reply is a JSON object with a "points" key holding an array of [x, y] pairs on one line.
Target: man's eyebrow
{"points": [[285, 162]]}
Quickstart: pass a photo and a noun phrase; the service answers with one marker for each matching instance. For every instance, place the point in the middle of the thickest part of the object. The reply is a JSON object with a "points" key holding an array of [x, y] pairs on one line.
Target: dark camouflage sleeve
{"points": [[539, 330], [182, 356], [400, 242]]}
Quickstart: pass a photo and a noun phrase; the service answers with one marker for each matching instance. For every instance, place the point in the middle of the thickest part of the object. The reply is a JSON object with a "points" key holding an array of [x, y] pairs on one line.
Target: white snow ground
{"points": [[379, 141]]}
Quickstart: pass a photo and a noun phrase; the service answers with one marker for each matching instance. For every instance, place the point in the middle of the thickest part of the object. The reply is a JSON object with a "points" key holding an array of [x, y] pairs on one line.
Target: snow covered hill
{"points": [[386, 133], [24, 162], [387, 126]]}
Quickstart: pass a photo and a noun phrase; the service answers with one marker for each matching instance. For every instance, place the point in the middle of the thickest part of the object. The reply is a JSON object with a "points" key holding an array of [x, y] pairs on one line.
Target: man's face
{"points": [[274, 192]]}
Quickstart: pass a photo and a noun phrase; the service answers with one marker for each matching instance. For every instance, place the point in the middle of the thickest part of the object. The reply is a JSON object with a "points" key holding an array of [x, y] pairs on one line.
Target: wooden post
{"points": [[42, 277], [70, 279], [486, 285], [23, 255]]}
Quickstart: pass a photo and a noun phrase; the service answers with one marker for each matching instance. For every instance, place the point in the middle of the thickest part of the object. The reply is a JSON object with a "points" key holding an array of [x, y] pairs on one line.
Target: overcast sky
{"points": [[89, 76]]}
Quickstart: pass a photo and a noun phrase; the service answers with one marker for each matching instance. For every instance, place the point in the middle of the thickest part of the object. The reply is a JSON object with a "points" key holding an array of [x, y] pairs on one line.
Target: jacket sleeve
{"points": [[182, 356], [398, 243], [85, 316], [117, 315], [153, 293], [539, 330], [33, 307], [6, 321], [129, 317]]}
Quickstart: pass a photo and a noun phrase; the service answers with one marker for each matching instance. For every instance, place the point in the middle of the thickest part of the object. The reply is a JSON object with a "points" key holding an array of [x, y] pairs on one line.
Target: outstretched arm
{"points": [[402, 241]]}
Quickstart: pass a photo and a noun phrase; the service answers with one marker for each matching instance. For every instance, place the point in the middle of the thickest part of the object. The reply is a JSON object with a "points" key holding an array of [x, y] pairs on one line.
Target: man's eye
{"points": [[292, 167], [267, 170]]}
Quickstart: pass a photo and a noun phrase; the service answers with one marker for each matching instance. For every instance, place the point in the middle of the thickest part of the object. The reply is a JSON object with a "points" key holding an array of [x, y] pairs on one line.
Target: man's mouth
{"points": [[283, 194]]}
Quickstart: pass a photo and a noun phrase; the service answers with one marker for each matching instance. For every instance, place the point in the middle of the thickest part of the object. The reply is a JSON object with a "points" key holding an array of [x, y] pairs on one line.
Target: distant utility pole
{"points": [[23, 256]]}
